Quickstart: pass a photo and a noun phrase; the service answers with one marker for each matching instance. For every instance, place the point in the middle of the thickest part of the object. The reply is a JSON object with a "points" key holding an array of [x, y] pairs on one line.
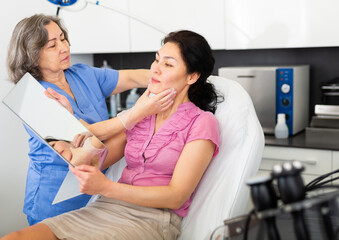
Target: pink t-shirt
{"points": [[151, 159]]}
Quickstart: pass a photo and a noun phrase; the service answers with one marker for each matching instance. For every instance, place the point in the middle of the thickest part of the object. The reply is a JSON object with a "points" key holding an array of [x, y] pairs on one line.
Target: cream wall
{"points": [[13, 143]]}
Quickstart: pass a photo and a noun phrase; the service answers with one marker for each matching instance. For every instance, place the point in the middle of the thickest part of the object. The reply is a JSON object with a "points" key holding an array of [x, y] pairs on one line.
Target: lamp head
{"points": [[63, 3]]}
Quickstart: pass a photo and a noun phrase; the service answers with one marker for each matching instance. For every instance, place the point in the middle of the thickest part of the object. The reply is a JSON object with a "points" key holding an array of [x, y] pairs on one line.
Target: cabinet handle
{"points": [[308, 162]]}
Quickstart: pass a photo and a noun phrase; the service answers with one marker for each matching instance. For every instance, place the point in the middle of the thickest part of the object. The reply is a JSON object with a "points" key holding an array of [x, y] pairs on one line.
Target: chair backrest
{"points": [[222, 192]]}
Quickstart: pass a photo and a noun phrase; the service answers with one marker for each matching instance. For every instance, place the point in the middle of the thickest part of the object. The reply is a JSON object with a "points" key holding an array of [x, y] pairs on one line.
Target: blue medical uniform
{"points": [[46, 172]]}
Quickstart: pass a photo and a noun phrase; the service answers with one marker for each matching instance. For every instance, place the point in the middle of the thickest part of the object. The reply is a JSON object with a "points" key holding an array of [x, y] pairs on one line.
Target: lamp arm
{"points": [[121, 11]]}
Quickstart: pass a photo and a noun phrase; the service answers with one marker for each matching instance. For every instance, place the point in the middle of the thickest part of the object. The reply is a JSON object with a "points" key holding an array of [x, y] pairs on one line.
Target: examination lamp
{"points": [[65, 4]]}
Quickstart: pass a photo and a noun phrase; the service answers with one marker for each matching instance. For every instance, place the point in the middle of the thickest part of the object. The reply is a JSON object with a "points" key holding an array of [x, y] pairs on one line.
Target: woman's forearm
{"points": [[132, 78], [106, 129], [154, 196], [116, 146]]}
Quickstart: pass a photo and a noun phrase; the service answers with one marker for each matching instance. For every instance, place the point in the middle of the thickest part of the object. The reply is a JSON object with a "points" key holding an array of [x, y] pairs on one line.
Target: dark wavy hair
{"points": [[198, 57]]}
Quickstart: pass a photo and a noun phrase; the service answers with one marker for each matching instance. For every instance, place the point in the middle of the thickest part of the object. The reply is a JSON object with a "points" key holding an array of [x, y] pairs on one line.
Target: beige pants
{"points": [[112, 219]]}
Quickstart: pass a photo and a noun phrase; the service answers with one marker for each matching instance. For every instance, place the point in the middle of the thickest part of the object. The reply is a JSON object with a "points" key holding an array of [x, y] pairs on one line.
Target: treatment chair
{"points": [[222, 192]]}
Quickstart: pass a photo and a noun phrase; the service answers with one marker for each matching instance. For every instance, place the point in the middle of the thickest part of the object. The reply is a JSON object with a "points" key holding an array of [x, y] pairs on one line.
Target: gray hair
{"points": [[28, 39]]}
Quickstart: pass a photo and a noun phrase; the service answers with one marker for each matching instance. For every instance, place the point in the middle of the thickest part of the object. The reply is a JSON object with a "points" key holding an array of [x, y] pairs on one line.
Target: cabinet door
{"points": [[96, 29], [335, 160], [335, 165], [316, 162], [204, 17], [251, 24]]}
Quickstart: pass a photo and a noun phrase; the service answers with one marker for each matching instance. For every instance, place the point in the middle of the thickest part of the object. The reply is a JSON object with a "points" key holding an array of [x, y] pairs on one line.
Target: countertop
{"points": [[300, 140]]}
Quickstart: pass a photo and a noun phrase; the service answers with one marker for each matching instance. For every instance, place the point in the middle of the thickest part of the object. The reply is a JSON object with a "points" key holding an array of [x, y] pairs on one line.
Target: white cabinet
{"points": [[335, 157], [96, 29], [203, 17], [226, 24], [335, 165], [251, 24], [316, 162]]}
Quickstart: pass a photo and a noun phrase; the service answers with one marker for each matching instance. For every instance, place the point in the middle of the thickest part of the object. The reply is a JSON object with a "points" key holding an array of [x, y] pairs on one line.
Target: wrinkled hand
{"points": [[147, 106], [59, 98], [79, 139], [157, 103], [91, 180]]}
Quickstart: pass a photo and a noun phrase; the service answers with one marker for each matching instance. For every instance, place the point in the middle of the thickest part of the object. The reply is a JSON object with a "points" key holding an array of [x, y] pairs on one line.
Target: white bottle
{"points": [[105, 64], [281, 129], [132, 98]]}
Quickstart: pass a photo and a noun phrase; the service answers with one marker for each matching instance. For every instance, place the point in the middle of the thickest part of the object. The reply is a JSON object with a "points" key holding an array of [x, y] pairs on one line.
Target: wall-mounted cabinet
{"points": [[96, 29], [226, 24], [281, 23], [204, 17]]}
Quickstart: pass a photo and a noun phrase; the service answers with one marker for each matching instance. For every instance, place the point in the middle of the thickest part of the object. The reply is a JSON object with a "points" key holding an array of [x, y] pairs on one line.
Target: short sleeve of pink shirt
{"points": [[205, 127]]}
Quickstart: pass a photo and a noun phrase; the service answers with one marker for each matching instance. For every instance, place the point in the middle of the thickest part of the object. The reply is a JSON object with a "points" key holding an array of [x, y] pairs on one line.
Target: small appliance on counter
{"points": [[330, 92], [274, 90], [325, 123], [326, 116]]}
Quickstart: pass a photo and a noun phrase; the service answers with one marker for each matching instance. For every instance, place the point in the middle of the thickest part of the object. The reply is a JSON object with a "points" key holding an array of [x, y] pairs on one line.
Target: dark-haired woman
{"points": [[166, 156]]}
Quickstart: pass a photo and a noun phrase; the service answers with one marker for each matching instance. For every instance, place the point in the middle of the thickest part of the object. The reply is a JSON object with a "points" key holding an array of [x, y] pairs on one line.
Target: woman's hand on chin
{"points": [[150, 104], [146, 106]]}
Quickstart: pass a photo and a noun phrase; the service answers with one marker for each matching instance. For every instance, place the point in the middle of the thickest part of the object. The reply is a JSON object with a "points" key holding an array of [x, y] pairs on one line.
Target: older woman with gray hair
{"points": [[40, 45]]}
